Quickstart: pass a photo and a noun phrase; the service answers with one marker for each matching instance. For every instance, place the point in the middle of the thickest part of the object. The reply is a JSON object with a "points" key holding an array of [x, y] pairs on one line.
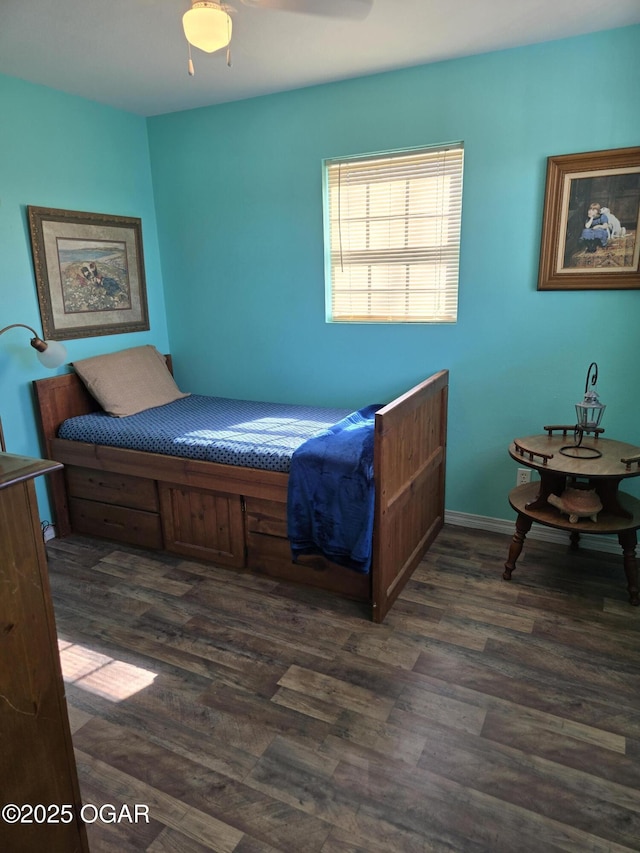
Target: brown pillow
{"points": [[129, 381]]}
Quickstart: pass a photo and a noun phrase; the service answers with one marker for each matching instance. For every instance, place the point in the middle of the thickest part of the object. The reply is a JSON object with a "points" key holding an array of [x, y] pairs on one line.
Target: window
{"points": [[392, 229]]}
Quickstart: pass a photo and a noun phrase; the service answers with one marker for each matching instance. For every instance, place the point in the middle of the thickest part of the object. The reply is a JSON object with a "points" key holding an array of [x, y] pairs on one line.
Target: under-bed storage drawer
{"points": [[202, 524], [266, 517], [110, 488], [114, 506], [133, 526], [271, 554], [269, 551]]}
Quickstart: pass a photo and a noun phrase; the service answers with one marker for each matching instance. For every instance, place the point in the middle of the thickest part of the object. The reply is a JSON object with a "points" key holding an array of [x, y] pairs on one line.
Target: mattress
{"points": [[217, 429]]}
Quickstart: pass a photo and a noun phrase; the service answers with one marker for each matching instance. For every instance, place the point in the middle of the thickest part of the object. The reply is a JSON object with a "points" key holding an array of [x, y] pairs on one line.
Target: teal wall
{"points": [[239, 203], [65, 152], [237, 194]]}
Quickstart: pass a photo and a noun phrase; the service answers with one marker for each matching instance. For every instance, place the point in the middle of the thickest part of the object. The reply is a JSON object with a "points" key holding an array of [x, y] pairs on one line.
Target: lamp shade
{"points": [[207, 26], [54, 355]]}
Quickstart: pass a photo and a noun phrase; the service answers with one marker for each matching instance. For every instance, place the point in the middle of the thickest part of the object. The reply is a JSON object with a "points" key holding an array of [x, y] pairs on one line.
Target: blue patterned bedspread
{"points": [[217, 429], [331, 493]]}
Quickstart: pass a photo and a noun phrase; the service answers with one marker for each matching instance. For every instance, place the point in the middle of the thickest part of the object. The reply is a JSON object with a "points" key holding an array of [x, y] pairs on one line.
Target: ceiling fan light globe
{"points": [[207, 26]]}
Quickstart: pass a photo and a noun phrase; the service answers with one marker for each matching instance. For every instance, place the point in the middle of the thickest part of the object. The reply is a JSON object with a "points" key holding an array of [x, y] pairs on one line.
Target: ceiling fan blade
{"points": [[356, 9]]}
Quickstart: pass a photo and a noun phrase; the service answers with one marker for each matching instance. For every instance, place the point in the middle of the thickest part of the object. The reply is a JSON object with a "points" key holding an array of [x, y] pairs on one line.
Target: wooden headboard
{"points": [[62, 397], [59, 398]]}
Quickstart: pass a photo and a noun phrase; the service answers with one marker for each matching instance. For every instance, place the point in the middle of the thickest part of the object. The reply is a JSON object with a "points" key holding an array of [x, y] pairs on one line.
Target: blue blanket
{"points": [[331, 493]]}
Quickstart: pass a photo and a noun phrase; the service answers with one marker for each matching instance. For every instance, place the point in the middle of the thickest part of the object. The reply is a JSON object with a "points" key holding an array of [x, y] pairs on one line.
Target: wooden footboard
{"points": [[237, 516], [409, 470]]}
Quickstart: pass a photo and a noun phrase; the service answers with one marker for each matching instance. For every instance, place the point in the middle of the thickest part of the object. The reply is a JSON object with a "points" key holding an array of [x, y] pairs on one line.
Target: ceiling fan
{"points": [[330, 8], [207, 24]]}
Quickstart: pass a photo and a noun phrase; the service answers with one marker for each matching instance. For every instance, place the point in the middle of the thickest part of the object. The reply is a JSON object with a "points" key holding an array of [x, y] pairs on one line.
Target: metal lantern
{"points": [[589, 412], [588, 415]]}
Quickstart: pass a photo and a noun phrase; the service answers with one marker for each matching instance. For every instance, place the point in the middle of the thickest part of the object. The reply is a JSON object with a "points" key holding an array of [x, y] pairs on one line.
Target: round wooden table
{"points": [[620, 512]]}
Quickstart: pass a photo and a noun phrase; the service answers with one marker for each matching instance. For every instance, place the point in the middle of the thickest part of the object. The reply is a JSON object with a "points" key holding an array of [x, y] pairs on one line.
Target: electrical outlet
{"points": [[523, 476]]}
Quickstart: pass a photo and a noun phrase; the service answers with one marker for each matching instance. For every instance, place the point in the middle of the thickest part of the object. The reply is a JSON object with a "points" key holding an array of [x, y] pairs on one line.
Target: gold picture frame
{"points": [[89, 270], [591, 224]]}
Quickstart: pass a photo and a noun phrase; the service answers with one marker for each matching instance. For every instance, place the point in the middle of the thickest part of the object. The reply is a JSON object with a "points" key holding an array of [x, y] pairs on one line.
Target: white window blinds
{"points": [[394, 236]]}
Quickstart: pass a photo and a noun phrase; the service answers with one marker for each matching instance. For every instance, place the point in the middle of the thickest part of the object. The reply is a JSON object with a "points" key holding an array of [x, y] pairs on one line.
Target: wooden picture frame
{"points": [[591, 224], [89, 270]]}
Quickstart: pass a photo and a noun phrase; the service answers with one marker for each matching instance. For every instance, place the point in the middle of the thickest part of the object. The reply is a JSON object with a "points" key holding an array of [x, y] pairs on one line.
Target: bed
{"points": [[236, 516]]}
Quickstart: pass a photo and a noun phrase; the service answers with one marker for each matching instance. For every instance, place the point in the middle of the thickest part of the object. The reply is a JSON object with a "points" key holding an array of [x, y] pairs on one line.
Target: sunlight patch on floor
{"points": [[112, 679]]}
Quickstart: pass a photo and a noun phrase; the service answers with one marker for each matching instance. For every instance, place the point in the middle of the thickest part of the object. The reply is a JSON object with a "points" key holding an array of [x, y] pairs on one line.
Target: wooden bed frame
{"points": [[236, 517]]}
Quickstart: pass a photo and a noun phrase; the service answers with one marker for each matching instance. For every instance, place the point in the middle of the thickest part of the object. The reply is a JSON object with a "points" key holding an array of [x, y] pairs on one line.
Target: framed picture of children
{"points": [[591, 222], [89, 271]]}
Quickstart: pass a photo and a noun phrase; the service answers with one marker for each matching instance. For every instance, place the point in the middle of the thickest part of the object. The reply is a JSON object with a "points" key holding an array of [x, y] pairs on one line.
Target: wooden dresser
{"points": [[37, 764]]}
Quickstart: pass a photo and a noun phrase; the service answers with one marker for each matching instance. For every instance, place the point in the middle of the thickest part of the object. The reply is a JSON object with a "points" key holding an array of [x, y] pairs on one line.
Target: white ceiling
{"points": [[132, 54]]}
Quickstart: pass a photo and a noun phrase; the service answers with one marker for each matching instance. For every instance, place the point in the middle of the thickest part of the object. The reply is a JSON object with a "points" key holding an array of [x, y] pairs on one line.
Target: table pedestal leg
{"points": [[608, 493], [628, 541], [550, 483], [523, 526]]}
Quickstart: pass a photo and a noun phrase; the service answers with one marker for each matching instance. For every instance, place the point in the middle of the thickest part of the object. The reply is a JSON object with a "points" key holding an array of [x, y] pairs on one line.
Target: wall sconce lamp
{"points": [[50, 354], [588, 416]]}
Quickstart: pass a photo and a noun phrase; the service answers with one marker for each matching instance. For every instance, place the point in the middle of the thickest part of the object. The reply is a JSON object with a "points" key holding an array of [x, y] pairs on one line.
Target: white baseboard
{"points": [[546, 534]]}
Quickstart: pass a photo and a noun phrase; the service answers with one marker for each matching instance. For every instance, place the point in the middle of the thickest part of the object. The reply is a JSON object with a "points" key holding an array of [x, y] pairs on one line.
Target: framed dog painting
{"points": [[591, 223], [89, 270]]}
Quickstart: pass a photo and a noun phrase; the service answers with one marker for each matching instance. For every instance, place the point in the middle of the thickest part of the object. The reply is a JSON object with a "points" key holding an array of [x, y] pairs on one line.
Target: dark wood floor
{"points": [[255, 716]]}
